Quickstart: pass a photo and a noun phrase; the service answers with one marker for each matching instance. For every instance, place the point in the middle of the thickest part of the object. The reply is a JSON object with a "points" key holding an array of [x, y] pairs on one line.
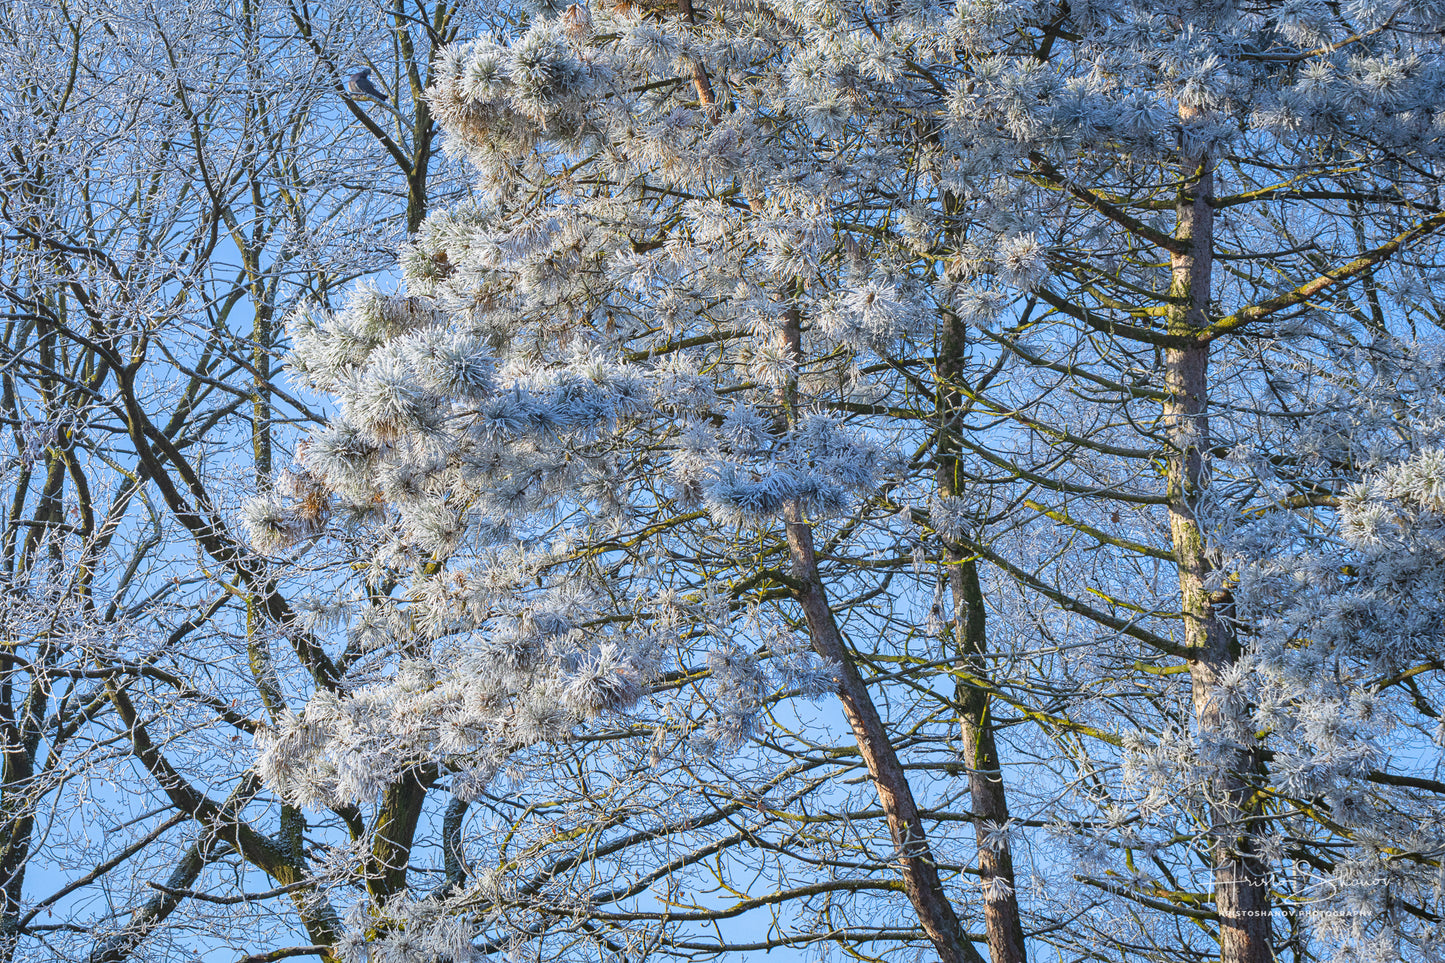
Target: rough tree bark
{"points": [[1241, 886]]}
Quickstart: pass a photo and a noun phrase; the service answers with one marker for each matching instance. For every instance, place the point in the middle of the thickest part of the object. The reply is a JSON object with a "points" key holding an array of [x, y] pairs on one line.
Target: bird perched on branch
{"points": [[359, 84]]}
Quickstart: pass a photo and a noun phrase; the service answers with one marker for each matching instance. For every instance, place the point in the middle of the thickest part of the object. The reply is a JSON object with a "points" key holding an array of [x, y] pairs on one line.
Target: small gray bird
{"points": [[360, 85]]}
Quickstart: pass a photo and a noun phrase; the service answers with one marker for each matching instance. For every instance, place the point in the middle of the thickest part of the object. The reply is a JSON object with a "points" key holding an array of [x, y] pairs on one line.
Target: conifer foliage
{"points": [[1044, 387]]}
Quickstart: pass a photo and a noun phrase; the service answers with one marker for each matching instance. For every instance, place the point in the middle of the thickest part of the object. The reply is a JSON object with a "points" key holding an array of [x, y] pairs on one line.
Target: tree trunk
{"points": [[1241, 883], [972, 686], [910, 840], [913, 855], [985, 775]]}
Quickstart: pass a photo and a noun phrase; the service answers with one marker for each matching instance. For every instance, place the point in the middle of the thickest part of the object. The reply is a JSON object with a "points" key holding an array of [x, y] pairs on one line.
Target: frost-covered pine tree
{"points": [[786, 343]]}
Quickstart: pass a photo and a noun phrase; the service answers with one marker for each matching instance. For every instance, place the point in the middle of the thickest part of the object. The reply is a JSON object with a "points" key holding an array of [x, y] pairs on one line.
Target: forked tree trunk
{"points": [[912, 853]]}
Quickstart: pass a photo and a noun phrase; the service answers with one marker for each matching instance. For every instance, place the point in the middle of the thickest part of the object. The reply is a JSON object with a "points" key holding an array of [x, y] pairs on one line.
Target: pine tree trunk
{"points": [[972, 689], [1241, 891], [985, 775]]}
